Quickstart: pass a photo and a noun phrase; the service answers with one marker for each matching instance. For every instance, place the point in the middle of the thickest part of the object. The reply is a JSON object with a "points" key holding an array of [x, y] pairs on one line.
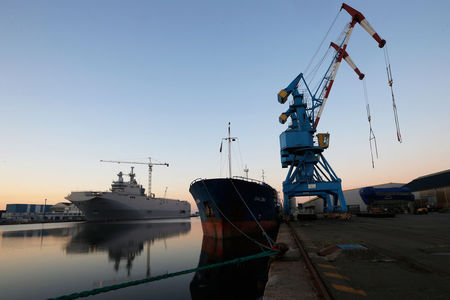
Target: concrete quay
{"points": [[407, 256], [288, 276]]}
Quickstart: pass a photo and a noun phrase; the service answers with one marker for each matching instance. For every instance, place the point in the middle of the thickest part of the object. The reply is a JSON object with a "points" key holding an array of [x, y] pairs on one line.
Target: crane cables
{"points": [[339, 41], [372, 138], [314, 71], [321, 43], [390, 81]]}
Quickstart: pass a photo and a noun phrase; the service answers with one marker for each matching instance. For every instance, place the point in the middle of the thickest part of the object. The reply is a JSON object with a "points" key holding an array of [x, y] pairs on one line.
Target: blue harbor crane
{"points": [[309, 173]]}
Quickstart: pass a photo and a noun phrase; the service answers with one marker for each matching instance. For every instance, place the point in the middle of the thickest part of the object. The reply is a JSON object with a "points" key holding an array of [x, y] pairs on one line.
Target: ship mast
{"points": [[229, 139]]}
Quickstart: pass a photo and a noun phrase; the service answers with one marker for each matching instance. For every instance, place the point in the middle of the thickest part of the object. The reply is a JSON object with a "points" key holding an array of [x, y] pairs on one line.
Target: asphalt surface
{"points": [[406, 257]]}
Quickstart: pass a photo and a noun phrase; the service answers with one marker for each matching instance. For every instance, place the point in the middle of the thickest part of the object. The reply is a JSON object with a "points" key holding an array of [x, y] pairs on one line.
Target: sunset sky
{"points": [[82, 81]]}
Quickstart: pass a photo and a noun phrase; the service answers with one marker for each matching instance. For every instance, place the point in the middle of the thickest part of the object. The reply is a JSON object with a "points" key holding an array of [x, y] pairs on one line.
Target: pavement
{"points": [[405, 257]]}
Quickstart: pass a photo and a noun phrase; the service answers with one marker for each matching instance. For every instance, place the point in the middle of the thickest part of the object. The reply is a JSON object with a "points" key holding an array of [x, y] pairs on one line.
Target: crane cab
{"points": [[323, 139]]}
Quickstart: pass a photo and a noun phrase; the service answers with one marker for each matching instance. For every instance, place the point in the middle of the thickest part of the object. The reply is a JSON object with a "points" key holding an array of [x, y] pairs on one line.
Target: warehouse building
{"points": [[432, 190], [26, 209], [41, 212]]}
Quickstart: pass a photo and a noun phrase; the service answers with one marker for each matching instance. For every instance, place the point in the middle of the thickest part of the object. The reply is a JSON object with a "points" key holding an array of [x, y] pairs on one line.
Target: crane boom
{"points": [[328, 80], [359, 17], [135, 162], [150, 165], [347, 58]]}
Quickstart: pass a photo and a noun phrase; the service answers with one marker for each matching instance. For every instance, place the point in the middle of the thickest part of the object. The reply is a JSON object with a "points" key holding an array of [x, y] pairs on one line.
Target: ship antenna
{"points": [[229, 149], [131, 175], [246, 171]]}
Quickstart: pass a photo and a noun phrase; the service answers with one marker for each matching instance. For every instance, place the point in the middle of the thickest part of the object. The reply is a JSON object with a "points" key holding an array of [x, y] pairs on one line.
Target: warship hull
{"points": [[112, 207]]}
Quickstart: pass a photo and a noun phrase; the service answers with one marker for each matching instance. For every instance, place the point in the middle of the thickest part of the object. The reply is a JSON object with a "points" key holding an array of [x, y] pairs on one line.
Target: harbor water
{"points": [[40, 261]]}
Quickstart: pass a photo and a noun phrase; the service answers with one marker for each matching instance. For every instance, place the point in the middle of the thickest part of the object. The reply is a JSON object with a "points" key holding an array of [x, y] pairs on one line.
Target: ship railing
{"points": [[87, 194], [198, 179], [236, 177], [250, 180]]}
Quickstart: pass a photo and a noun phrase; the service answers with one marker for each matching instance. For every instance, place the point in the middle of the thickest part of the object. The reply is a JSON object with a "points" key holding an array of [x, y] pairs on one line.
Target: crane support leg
{"points": [[327, 187]]}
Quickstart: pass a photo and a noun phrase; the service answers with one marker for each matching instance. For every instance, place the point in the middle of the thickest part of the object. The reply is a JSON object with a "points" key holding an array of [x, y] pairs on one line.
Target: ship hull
{"points": [[228, 207], [111, 207]]}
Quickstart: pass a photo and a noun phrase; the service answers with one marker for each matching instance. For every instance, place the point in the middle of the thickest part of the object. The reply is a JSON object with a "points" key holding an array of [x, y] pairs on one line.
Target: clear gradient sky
{"points": [[82, 81]]}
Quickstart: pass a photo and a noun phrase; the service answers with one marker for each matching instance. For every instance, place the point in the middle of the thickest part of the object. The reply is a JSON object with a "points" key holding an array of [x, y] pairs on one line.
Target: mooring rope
{"points": [[269, 240], [164, 276]]}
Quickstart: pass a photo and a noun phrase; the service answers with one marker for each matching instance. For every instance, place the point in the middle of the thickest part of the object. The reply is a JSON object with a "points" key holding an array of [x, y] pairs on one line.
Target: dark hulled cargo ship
{"points": [[231, 206]]}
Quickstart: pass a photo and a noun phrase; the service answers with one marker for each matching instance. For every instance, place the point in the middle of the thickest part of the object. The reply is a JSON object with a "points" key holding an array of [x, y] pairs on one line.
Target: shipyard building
{"points": [[431, 191], [40, 212]]}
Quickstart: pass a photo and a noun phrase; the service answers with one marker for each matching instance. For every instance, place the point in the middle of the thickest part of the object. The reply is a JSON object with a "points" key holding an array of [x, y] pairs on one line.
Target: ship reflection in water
{"points": [[62, 258], [244, 280], [123, 241], [52, 260]]}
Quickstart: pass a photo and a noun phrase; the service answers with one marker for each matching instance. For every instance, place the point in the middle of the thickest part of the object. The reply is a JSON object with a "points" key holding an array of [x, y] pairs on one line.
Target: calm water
{"points": [[40, 261]]}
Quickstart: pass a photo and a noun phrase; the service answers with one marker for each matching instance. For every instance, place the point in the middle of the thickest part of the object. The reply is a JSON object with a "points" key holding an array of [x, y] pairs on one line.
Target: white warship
{"points": [[127, 201]]}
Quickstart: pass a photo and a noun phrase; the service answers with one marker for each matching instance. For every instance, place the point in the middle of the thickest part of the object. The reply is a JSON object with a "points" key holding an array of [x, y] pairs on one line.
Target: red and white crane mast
{"points": [[357, 17]]}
